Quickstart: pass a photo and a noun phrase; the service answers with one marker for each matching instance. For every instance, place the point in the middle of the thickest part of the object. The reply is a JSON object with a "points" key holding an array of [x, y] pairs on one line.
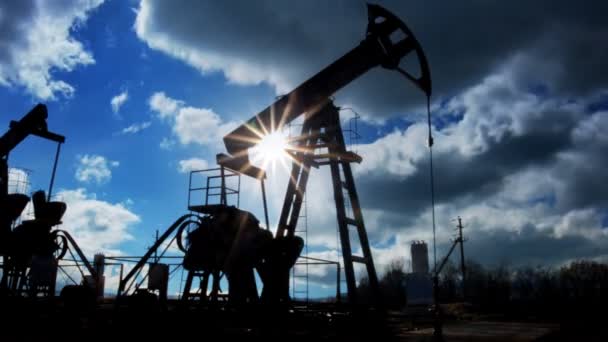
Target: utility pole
{"points": [[462, 265]]}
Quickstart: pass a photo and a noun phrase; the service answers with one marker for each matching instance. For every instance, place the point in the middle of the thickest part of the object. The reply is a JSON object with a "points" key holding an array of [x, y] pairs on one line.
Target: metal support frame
{"points": [[316, 261], [265, 204], [322, 130]]}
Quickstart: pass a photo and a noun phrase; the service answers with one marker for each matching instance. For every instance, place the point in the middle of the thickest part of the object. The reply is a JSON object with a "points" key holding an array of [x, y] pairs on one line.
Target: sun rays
{"points": [[272, 150], [264, 142]]}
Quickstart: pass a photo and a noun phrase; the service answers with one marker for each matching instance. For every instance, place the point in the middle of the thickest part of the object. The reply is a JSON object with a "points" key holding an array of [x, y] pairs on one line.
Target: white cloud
{"points": [[200, 125], [94, 168], [397, 153], [192, 164], [136, 127], [583, 222], [191, 125], [119, 100], [521, 169], [36, 39], [97, 226], [166, 144], [166, 107]]}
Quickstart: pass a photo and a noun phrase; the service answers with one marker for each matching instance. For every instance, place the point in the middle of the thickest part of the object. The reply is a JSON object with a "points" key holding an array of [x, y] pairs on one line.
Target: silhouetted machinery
{"points": [[388, 40], [30, 250], [30, 244], [229, 241]]}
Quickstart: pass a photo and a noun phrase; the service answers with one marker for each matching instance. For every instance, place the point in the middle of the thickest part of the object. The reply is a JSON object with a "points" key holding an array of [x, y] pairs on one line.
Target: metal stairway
{"points": [[299, 274]]}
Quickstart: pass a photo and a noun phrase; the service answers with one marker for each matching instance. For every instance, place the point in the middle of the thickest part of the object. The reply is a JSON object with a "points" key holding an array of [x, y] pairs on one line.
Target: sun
{"points": [[271, 150]]}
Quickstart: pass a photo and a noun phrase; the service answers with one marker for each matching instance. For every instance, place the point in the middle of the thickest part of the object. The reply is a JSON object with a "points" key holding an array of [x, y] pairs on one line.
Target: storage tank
{"points": [[158, 279], [18, 181], [99, 264], [420, 257]]}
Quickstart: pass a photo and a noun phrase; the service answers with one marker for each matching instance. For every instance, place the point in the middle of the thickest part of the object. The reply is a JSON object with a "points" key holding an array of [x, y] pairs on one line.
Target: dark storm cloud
{"points": [[13, 16], [583, 167], [531, 246], [468, 179], [557, 43]]}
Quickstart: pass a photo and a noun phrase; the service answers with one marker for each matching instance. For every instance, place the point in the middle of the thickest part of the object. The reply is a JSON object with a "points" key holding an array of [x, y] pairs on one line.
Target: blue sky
{"points": [[519, 138]]}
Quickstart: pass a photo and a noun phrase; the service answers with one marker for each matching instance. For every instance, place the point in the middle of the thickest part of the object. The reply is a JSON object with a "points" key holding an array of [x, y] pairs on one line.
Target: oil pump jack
{"points": [[229, 241], [30, 251], [31, 238], [387, 42]]}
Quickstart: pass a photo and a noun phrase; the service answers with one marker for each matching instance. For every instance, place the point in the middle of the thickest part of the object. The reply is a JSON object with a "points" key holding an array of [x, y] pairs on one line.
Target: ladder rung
{"points": [[359, 259], [312, 148], [351, 221], [351, 157], [348, 157]]}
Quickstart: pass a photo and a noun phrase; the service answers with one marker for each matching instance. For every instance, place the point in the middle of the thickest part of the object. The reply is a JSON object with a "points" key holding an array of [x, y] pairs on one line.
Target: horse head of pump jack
{"points": [[387, 41]]}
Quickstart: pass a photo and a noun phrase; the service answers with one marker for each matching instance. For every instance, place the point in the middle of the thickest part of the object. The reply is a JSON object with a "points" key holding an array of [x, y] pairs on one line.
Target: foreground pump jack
{"points": [[321, 131], [30, 244], [32, 249]]}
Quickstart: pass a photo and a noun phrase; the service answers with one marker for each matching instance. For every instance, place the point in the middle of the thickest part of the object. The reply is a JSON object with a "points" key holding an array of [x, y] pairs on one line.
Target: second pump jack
{"points": [[230, 241], [321, 131]]}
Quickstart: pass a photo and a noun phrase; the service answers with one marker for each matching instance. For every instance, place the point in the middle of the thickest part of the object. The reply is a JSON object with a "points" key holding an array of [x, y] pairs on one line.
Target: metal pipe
{"points": [[162, 238], [190, 187], [48, 197], [119, 290], [338, 286], [265, 204], [223, 199]]}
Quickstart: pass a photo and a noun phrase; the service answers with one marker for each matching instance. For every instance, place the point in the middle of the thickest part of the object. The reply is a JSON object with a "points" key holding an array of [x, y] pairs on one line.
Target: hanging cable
{"points": [[432, 178]]}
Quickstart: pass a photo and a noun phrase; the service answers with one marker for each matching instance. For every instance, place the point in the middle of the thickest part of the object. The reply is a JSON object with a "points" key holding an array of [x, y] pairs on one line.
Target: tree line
{"points": [[576, 290]]}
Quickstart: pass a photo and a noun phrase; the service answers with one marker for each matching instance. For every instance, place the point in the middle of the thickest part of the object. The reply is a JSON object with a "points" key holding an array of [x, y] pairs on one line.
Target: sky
{"points": [[144, 91]]}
